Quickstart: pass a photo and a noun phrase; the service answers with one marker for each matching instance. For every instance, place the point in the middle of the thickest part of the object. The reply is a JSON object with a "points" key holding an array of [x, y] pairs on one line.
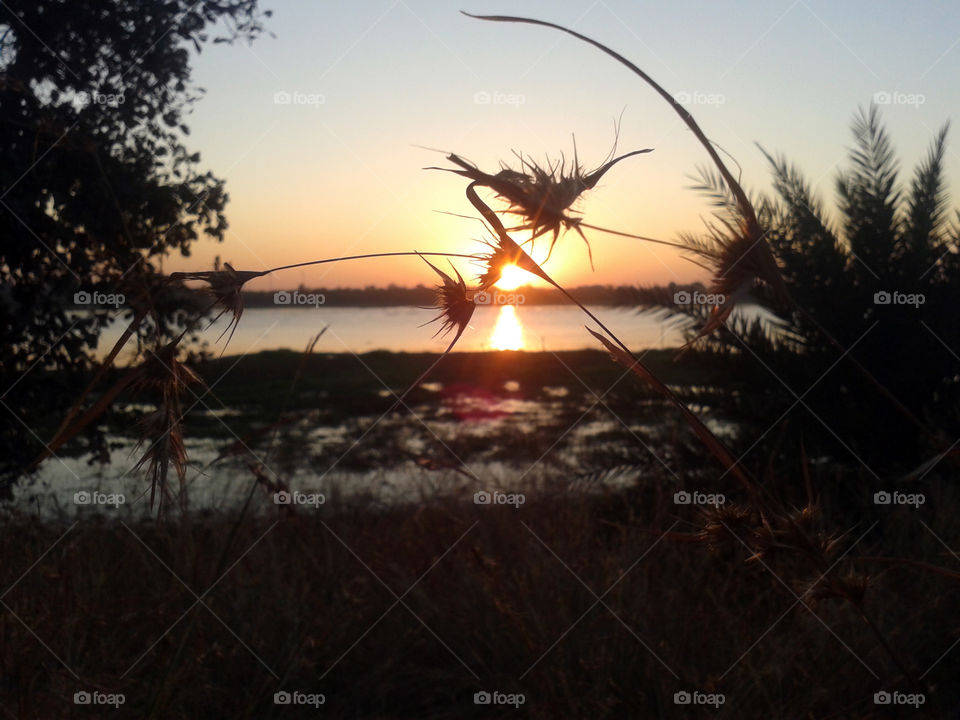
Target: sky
{"points": [[322, 131]]}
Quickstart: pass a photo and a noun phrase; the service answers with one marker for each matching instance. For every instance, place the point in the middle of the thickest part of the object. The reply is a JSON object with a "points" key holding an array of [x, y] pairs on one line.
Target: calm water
{"points": [[358, 330], [401, 329]]}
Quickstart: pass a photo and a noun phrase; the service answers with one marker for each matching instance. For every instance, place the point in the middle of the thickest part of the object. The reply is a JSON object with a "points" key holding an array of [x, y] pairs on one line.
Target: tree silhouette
{"points": [[96, 181], [852, 274]]}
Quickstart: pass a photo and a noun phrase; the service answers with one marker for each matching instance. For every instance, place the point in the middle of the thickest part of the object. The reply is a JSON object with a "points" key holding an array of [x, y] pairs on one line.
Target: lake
{"points": [[511, 413], [402, 329]]}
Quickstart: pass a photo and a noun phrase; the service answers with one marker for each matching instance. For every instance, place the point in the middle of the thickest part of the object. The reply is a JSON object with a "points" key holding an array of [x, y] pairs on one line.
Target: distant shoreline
{"points": [[418, 296], [422, 296]]}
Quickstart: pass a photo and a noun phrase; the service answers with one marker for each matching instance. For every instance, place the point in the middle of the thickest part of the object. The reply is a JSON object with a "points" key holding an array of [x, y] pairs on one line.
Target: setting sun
{"points": [[512, 277]]}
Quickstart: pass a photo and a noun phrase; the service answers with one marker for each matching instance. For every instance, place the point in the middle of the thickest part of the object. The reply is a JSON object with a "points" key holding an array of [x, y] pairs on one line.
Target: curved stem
{"points": [[713, 443], [709, 439], [61, 436], [743, 203]]}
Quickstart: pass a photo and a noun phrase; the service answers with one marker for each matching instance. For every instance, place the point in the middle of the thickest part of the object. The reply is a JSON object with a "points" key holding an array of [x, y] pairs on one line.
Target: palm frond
{"points": [[927, 201], [868, 195]]}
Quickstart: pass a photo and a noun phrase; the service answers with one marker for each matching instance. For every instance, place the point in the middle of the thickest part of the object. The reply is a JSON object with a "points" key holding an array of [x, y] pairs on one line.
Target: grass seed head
{"points": [[737, 256], [725, 523], [226, 287], [163, 379], [541, 195], [454, 301], [503, 253]]}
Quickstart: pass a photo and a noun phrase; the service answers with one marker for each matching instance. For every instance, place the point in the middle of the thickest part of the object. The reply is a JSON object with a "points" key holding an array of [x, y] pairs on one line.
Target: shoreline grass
{"points": [[308, 602]]}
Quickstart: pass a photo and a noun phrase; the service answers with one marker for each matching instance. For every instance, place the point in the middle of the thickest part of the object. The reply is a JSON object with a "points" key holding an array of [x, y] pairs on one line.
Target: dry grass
{"points": [[506, 594]]}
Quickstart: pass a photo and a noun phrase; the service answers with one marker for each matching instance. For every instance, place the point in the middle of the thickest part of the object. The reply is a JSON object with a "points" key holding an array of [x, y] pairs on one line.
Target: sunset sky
{"points": [[338, 170]]}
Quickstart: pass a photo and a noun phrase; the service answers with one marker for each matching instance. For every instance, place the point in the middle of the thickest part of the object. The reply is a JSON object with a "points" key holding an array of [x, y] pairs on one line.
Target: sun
{"points": [[512, 277]]}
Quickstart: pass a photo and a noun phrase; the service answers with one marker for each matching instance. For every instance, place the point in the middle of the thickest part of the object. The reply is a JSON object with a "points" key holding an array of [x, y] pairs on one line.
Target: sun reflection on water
{"points": [[507, 332]]}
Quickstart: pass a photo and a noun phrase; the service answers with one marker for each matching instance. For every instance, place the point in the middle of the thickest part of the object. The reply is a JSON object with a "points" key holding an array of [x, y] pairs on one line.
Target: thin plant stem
{"points": [[60, 436], [620, 233], [749, 215], [362, 257], [710, 440], [742, 201]]}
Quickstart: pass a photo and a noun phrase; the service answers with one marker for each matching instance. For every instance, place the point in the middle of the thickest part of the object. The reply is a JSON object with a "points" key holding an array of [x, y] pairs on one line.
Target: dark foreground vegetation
{"points": [[590, 605]]}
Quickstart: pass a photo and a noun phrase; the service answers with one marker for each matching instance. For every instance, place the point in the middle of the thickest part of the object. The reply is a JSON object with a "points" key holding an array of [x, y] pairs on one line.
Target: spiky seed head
{"points": [[541, 196], [454, 301], [737, 256], [164, 378], [726, 523], [493, 264], [226, 287], [744, 258], [163, 374], [505, 251]]}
